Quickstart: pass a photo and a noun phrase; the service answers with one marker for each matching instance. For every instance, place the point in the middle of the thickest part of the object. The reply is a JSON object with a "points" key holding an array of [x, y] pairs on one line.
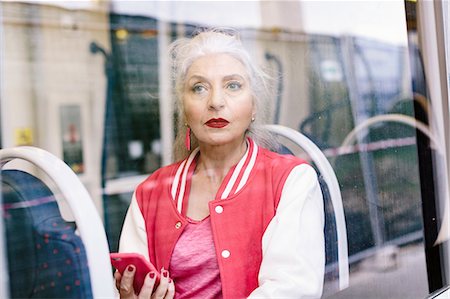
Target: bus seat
{"points": [[46, 259], [336, 252], [46, 256]]}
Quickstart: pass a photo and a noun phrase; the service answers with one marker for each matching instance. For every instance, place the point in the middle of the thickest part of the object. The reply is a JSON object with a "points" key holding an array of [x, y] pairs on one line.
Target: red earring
{"points": [[187, 141]]}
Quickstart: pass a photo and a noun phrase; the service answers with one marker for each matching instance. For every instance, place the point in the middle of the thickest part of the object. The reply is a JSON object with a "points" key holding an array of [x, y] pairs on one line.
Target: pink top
{"points": [[193, 265]]}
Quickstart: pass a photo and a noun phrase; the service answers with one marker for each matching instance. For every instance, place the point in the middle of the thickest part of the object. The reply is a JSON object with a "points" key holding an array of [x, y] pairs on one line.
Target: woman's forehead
{"points": [[220, 64]]}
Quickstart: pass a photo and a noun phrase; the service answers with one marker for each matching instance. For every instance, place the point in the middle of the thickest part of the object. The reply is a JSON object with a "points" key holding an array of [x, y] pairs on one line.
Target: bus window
{"points": [[429, 39], [90, 82]]}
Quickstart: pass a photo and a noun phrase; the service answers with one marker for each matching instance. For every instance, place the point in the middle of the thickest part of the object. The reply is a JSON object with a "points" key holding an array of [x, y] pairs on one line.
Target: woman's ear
{"points": [[254, 108], [254, 111], [184, 117]]}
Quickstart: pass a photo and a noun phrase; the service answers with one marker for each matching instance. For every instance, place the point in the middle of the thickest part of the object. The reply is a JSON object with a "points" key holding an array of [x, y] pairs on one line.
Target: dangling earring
{"points": [[187, 141], [253, 119]]}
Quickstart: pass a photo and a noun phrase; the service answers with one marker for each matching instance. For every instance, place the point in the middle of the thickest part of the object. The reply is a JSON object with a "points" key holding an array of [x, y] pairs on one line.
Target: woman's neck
{"points": [[215, 161]]}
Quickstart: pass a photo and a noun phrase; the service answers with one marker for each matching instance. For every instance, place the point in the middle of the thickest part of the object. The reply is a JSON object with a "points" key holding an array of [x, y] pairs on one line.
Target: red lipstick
{"points": [[217, 123]]}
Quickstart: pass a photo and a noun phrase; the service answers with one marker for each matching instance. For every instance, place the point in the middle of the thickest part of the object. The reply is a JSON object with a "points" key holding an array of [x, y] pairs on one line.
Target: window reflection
{"points": [[132, 121], [340, 65]]}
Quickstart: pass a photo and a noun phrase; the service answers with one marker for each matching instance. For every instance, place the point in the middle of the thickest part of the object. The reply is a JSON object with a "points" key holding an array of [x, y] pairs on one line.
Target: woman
{"points": [[231, 219]]}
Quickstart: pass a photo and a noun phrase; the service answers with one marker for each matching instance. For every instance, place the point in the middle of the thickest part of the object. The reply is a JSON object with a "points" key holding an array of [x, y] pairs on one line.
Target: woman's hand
{"points": [[124, 283]]}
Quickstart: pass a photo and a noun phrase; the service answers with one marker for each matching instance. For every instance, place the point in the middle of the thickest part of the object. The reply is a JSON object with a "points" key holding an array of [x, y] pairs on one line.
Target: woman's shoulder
{"points": [[280, 159], [281, 165]]}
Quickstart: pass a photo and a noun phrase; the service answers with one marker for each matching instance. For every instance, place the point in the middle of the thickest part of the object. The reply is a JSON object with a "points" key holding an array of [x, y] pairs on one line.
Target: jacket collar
{"points": [[233, 182]]}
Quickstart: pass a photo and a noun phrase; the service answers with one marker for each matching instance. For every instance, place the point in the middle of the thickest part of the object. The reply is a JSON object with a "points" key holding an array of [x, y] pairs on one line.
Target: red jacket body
{"points": [[239, 219]]}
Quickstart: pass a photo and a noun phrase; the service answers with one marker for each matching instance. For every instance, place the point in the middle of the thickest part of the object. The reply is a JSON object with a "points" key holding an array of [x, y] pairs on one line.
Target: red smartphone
{"points": [[121, 261]]}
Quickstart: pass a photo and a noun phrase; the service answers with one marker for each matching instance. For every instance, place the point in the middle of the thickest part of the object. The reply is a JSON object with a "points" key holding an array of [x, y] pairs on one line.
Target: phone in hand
{"points": [[121, 261]]}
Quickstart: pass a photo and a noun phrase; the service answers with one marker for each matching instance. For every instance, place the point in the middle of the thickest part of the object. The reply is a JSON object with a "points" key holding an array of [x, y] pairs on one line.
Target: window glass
{"points": [[89, 81], [132, 123]]}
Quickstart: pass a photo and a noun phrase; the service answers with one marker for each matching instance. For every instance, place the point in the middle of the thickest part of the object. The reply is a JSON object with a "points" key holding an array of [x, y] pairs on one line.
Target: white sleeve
{"points": [[293, 245], [134, 237]]}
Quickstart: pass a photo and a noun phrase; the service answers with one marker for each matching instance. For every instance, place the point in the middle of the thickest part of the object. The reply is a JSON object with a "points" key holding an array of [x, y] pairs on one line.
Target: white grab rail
{"points": [[86, 216], [330, 178]]}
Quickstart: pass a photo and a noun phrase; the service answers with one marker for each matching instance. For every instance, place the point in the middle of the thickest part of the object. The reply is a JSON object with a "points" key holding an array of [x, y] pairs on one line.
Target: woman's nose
{"points": [[216, 100]]}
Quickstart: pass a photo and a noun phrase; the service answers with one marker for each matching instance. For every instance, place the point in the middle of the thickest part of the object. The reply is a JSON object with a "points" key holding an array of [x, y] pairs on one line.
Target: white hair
{"points": [[185, 51]]}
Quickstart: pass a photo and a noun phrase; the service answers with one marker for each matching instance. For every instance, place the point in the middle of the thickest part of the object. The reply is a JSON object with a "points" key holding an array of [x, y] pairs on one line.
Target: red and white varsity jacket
{"points": [[267, 223]]}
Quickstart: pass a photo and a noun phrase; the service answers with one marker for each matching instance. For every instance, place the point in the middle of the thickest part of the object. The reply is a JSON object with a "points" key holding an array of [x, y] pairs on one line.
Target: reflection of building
{"points": [[47, 64], [329, 83]]}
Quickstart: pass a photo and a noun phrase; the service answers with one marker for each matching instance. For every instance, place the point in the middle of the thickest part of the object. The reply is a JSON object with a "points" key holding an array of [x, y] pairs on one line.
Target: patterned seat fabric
{"points": [[46, 258]]}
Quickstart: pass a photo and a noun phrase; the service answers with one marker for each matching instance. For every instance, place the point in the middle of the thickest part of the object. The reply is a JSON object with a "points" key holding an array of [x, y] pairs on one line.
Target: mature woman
{"points": [[231, 219]]}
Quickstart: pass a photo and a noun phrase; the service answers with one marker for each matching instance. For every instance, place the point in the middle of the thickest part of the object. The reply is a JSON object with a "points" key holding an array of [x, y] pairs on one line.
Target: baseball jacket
{"points": [[267, 223]]}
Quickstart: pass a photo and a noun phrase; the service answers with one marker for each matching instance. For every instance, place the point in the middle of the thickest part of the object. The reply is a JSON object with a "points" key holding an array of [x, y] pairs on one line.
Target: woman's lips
{"points": [[217, 123]]}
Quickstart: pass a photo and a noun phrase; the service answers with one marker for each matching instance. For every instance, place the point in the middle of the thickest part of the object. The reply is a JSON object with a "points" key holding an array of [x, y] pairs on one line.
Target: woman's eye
{"points": [[234, 86], [198, 88]]}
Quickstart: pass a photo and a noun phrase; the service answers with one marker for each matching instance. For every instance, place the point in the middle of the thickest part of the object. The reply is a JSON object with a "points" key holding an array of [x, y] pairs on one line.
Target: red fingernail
{"points": [[152, 275], [165, 274], [130, 268], [170, 280]]}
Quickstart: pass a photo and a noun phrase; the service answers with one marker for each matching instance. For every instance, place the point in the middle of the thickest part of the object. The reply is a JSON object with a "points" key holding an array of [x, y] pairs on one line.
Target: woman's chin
{"points": [[221, 141]]}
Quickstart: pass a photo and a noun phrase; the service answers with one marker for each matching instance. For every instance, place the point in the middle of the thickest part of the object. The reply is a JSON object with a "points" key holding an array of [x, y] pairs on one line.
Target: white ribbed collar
{"points": [[236, 181]]}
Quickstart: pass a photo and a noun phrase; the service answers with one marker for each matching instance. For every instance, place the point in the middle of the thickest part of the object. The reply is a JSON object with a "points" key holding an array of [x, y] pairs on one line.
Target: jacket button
{"points": [[218, 209], [225, 254], [178, 225]]}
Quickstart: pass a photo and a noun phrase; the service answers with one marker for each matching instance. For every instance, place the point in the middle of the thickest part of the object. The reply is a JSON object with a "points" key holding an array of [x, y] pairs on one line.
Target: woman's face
{"points": [[217, 98]]}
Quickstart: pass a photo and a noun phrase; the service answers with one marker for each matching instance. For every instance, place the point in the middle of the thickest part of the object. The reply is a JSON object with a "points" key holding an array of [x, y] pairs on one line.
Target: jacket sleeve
{"points": [[293, 245], [134, 236]]}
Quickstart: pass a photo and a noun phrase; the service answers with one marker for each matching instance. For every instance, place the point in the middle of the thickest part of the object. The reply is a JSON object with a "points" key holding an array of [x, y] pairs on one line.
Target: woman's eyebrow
{"points": [[233, 76], [224, 79], [196, 78]]}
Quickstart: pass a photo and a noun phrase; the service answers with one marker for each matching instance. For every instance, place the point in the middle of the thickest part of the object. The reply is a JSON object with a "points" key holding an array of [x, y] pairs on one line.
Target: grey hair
{"points": [[185, 51]]}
